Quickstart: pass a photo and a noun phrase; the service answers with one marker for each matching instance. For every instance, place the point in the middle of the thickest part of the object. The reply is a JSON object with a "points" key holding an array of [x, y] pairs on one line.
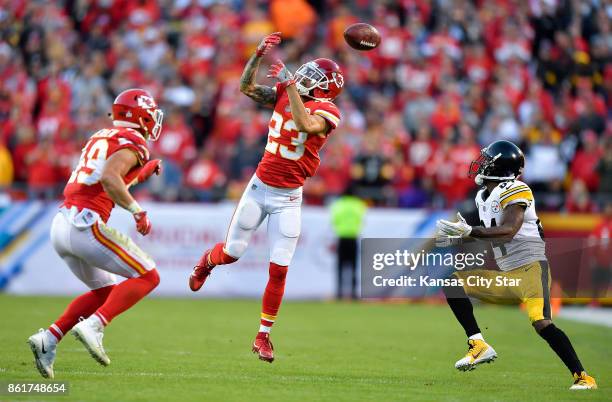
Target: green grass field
{"points": [[184, 350]]}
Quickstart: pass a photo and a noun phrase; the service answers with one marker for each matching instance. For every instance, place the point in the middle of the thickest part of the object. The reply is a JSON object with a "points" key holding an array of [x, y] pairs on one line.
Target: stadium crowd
{"points": [[448, 77]]}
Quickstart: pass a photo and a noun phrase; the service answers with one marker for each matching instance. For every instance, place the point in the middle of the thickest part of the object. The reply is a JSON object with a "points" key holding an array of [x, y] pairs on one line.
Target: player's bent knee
{"points": [[235, 249], [539, 325]]}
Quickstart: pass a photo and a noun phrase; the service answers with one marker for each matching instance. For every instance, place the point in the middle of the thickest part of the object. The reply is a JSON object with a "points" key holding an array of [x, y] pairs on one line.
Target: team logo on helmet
{"points": [[145, 102], [338, 79]]}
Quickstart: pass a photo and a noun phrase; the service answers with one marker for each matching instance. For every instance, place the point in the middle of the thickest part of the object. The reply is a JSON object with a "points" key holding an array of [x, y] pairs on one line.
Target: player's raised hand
{"points": [[279, 71], [143, 224], [268, 43]]}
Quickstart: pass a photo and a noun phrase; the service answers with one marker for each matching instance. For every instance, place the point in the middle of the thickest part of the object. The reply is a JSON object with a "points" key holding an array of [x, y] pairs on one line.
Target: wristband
{"points": [[134, 208]]}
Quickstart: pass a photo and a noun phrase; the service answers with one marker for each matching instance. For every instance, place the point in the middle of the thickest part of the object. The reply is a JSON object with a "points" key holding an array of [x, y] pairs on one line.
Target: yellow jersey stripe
{"points": [[518, 191], [521, 187], [524, 195]]}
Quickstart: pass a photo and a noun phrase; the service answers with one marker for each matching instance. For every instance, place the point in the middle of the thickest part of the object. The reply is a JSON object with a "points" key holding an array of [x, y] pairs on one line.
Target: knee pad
{"points": [[289, 223], [248, 215], [236, 248]]}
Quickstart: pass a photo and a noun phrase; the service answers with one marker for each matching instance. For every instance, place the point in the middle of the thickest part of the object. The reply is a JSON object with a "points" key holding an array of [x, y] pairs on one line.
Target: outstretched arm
{"points": [[261, 94]]}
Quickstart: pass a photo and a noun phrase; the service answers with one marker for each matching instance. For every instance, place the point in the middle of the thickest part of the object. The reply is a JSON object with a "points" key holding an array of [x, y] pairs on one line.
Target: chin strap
{"points": [[479, 179]]}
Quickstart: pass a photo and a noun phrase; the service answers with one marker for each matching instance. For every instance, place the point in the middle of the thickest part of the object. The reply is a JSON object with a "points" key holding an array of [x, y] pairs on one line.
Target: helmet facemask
{"points": [[480, 169], [308, 77], [158, 116]]}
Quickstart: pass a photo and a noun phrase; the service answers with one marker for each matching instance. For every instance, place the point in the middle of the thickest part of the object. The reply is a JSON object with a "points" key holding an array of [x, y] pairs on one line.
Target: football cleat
{"points": [[90, 333], [583, 381], [478, 352], [201, 272], [263, 347], [44, 352]]}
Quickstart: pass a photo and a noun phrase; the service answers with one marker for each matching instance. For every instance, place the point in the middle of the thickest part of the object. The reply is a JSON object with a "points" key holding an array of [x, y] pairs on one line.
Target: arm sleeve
{"points": [[135, 145], [329, 112]]}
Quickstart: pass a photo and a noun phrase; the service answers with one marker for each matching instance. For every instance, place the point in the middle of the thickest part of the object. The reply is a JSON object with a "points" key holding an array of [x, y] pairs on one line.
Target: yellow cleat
{"points": [[583, 381], [478, 352]]}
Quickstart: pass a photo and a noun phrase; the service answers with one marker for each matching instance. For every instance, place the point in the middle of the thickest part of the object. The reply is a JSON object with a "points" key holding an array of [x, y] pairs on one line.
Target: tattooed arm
{"points": [[261, 94]]}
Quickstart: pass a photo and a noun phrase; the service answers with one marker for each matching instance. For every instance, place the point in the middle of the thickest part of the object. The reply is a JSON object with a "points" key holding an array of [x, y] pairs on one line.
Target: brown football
{"points": [[362, 36]]}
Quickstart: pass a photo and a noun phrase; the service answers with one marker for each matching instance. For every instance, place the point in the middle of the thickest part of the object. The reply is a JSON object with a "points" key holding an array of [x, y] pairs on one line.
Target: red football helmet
{"points": [[136, 108], [319, 79]]}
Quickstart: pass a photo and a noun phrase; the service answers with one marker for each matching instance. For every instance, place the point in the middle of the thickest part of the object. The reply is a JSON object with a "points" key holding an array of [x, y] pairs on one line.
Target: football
{"points": [[362, 36]]}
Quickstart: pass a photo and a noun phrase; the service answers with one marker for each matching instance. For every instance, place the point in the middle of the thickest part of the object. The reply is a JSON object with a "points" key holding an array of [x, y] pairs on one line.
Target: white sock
{"points": [[477, 336], [263, 328]]}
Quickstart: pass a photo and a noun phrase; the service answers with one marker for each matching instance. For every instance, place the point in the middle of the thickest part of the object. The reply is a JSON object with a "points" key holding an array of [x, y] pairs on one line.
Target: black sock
{"points": [[560, 343], [462, 308]]}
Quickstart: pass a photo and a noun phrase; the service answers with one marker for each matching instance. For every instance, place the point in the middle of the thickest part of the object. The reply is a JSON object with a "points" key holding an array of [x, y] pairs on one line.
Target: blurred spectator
{"points": [[543, 163], [42, 170], [604, 170], [371, 171], [584, 165], [205, 178], [177, 144], [538, 73], [292, 17], [579, 200], [6, 167]]}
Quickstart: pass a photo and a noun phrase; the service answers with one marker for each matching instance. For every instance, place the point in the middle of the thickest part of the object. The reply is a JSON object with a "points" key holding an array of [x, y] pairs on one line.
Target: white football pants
{"points": [[282, 206], [95, 252]]}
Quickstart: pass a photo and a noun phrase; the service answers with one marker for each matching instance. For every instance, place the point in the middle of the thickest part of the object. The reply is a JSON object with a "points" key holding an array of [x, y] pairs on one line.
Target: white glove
{"points": [[453, 229]]}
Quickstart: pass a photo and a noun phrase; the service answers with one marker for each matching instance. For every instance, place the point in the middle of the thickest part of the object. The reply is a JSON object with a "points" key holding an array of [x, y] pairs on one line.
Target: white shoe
{"points": [[90, 333], [478, 352], [44, 352]]}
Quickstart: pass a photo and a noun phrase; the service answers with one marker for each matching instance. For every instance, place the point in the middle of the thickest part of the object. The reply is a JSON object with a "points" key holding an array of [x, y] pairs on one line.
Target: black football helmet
{"points": [[500, 161]]}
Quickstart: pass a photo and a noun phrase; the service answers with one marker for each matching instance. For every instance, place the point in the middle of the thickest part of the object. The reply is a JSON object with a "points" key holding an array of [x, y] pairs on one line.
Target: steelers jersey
{"points": [[527, 245]]}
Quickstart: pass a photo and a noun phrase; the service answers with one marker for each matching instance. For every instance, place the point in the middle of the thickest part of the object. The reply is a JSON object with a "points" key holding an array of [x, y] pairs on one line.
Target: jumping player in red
{"points": [[303, 118], [112, 160]]}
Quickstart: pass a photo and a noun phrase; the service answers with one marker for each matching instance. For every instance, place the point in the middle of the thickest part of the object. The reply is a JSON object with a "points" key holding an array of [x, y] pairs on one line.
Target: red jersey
{"points": [[291, 156], [84, 189]]}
